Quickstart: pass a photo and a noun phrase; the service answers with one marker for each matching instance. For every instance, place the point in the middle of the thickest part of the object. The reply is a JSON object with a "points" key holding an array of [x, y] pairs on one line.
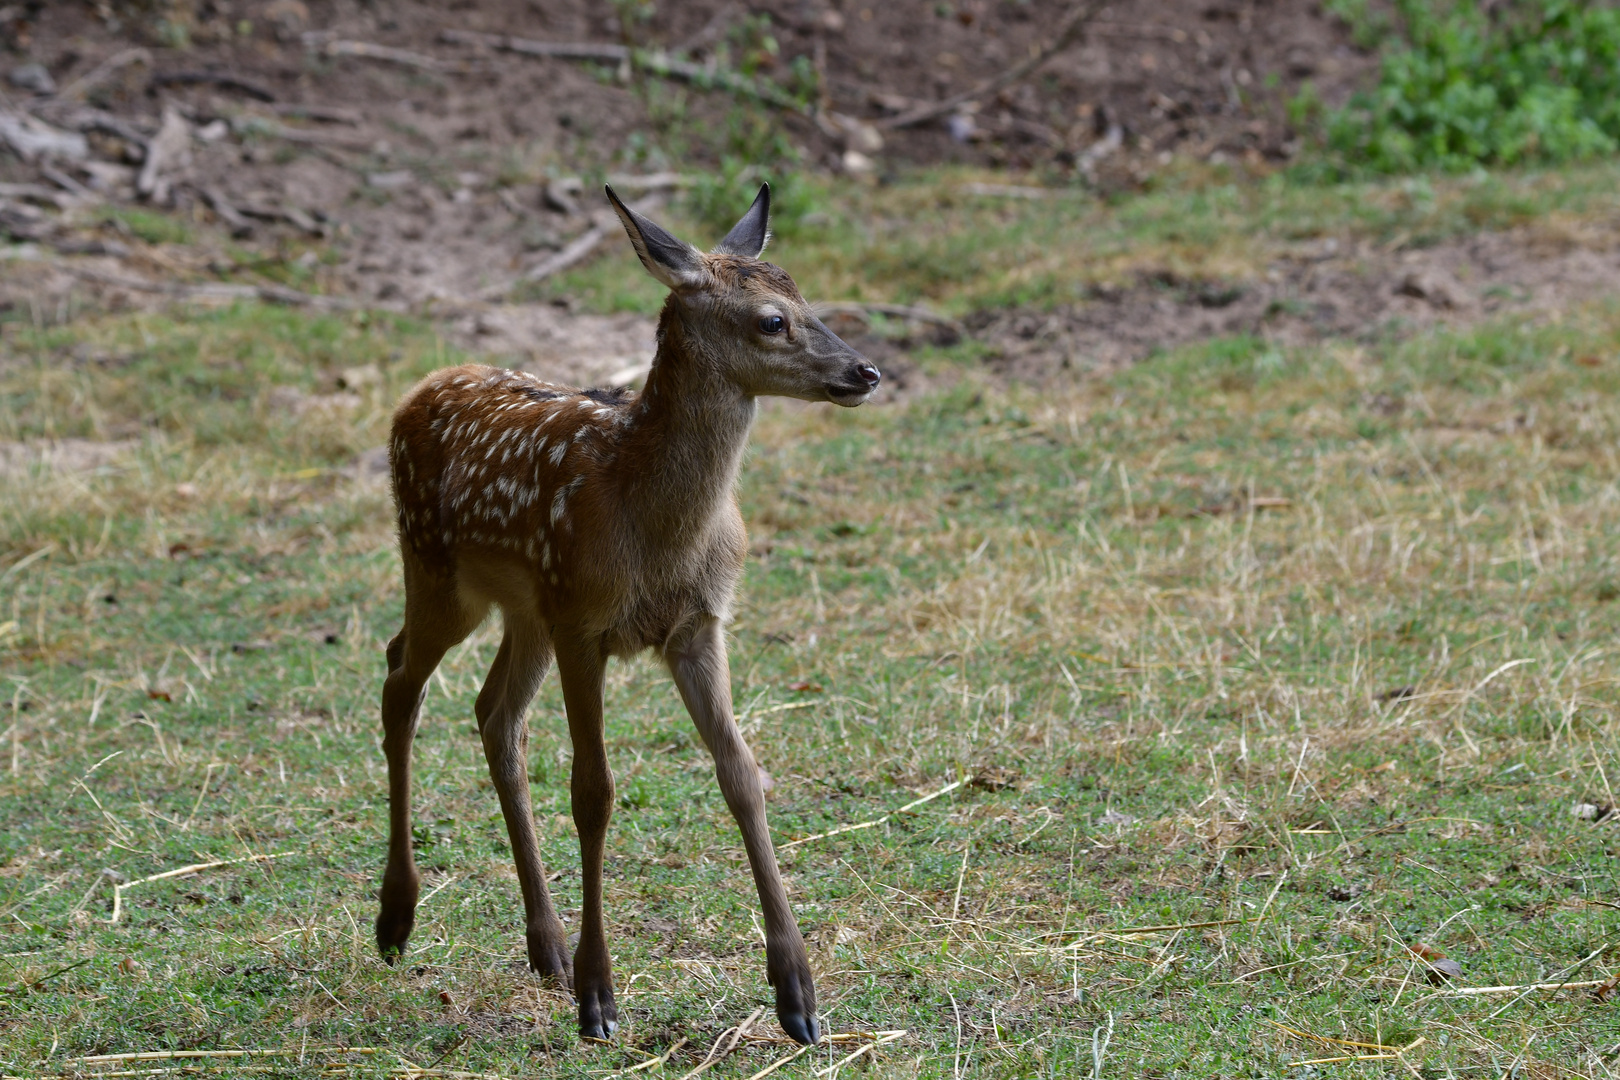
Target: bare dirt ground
{"points": [[425, 170], [425, 162], [1319, 291]]}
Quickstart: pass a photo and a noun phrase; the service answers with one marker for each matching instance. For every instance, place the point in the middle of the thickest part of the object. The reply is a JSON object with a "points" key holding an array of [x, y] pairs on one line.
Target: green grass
{"points": [[152, 226], [929, 240], [1302, 656]]}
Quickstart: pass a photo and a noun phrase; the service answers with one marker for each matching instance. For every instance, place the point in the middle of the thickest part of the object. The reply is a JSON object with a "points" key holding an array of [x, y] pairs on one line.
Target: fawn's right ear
{"points": [[672, 262]]}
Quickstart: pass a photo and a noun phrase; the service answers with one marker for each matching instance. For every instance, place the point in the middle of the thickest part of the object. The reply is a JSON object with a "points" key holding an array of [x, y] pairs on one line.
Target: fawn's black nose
{"points": [[870, 375]]}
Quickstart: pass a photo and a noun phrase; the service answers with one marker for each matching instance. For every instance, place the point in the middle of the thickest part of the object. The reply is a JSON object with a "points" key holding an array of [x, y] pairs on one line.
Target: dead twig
{"points": [[899, 311], [87, 120], [652, 1062], [67, 183], [773, 1066], [217, 291], [1471, 991], [948, 788], [655, 61], [1008, 191], [239, 225], [1068, 32], [183, 871], [888, 1037], [183, 1055], [213, 78], [248, 124], [81, 86], [168, 157], [331, 114], [716, 1054], [366, 50], [560, 50], [36, 193], [33, 139], [577, 250]]}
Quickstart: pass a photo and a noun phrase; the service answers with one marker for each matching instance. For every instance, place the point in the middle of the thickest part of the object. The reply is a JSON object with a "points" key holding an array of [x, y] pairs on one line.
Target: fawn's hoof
{"points": [[393, 930], [598, 1015], [548, 958], [801, 1027], [788, 970]]}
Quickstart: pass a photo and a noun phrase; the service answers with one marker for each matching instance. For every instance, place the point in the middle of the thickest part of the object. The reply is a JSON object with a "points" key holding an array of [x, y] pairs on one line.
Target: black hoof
{"points": [[392, 933], [598, 1015], [600, 1031], [551, 961], [788, 970], [801, 1028]]}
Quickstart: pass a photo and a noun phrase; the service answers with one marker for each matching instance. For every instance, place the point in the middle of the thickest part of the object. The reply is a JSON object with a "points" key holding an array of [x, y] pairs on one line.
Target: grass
{"points": [[1263, 667], [930, 240]]}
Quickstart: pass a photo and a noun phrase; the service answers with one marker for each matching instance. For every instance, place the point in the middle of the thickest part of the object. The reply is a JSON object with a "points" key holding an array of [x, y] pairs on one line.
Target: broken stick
{"points": [[1069, 31]]}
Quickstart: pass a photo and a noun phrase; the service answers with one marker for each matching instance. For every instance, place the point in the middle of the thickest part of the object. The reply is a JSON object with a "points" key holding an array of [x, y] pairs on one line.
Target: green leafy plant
{"points": [[1461, 86]]}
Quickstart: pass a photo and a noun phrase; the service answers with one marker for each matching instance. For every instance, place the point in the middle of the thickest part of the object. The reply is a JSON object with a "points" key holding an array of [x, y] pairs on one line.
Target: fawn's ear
{"points": [[672, 262], [750, 235]]}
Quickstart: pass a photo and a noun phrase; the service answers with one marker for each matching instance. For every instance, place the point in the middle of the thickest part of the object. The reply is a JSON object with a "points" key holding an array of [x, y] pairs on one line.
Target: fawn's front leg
{"points": [[698, 663], [580, 665]]}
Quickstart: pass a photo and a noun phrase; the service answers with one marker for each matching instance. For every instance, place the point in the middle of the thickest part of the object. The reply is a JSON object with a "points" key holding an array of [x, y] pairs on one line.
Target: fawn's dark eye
{"points": [[772, 324]]}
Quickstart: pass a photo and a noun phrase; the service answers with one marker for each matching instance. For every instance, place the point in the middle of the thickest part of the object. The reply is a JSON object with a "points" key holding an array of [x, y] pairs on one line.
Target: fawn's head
{"points": [[746, 316]]}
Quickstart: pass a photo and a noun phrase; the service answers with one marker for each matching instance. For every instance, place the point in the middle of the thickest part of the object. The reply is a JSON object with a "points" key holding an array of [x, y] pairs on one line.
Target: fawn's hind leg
{"points": [[435, 620]]}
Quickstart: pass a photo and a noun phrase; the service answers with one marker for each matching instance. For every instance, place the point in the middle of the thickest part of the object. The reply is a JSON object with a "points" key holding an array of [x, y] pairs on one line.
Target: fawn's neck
{"points": [[690, 430]]}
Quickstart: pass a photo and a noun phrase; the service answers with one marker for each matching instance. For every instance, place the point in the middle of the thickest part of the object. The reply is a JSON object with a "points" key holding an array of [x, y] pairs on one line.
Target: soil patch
{"points": [[1316, 292], [419, 168]]}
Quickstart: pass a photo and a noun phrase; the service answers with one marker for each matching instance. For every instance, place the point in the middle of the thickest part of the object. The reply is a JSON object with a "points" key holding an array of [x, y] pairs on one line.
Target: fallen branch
{"points": [[36, 193], [168, 157], [181, 1055], [1007, 191], [239, 225], [32, 139], [715, 1053], [1470, 991], [656, 61], [656, 1062], [87, 120], [1068, 32], [899, 311], [184, 871], [66, 182], [653, 181], [574, 252], [952, 786], [213, 78], [832, 1070], [331, 114], [603, 225], [248, 124], [773, 1066], [560, 50], [1114, 138], [292, 215], [366, 50], [79, 87], [218, 291]]}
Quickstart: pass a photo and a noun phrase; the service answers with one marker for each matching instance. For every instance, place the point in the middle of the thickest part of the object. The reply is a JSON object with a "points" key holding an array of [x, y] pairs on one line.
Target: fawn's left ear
{"points": [[750, 235], [673, 262]]}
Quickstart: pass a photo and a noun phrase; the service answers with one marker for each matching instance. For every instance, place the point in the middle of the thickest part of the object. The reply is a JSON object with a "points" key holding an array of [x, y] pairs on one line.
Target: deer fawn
{"points": [[601, 523]]}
